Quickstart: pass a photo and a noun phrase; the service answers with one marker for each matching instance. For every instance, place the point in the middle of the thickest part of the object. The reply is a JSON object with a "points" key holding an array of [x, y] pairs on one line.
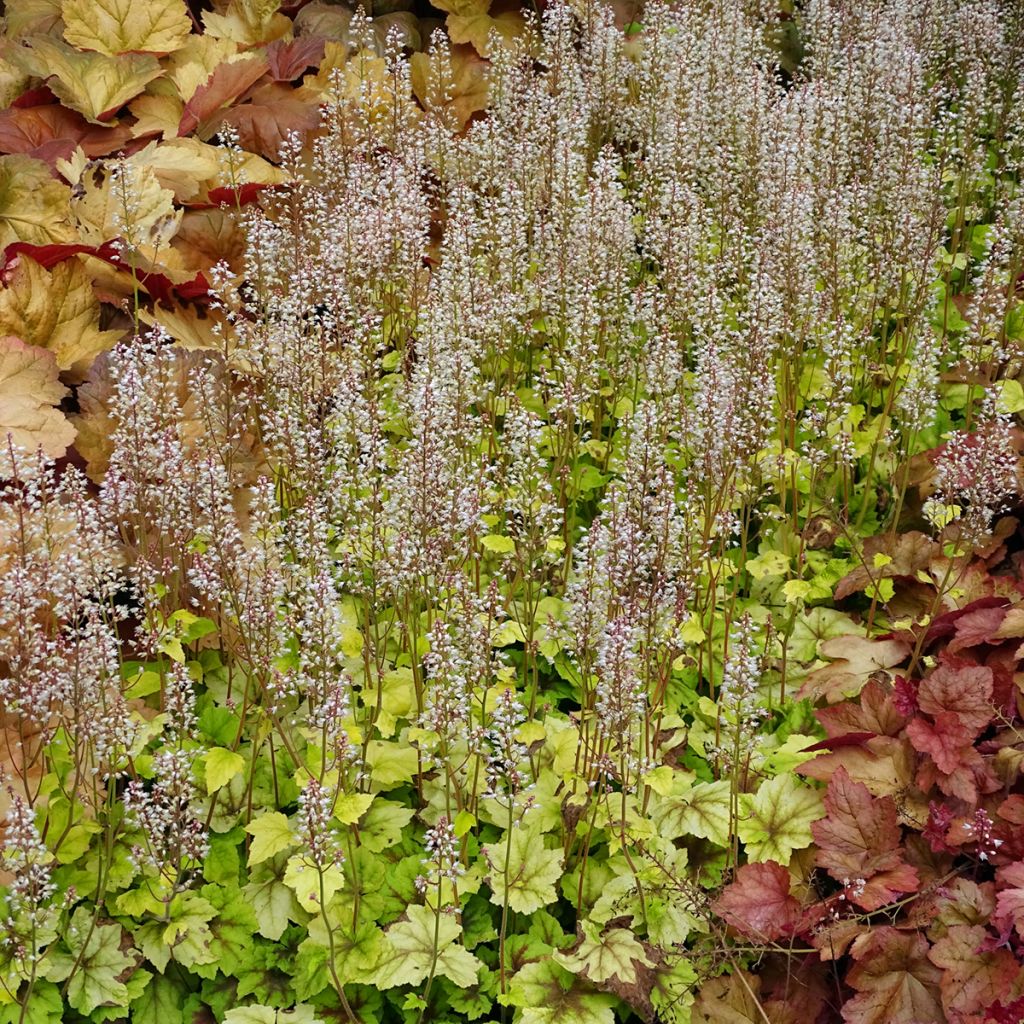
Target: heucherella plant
{"points": [[574, 574]]}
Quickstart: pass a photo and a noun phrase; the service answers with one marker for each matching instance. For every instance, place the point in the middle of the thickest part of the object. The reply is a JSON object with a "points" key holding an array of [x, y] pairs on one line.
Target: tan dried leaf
{"points": [[57, 310], [34, 207], [126, 26], [29, 393], [94, 84]]}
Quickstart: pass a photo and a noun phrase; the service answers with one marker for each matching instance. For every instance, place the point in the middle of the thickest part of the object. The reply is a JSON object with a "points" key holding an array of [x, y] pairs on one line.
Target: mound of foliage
{"points": [[512, 525]]}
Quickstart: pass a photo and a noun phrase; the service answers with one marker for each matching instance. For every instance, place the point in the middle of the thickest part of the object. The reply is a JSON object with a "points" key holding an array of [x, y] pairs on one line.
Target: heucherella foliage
{"points": [[561, 564]]}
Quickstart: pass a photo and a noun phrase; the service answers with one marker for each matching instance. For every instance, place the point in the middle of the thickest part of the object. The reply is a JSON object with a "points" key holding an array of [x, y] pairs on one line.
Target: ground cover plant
{"points": [[512, 515]]}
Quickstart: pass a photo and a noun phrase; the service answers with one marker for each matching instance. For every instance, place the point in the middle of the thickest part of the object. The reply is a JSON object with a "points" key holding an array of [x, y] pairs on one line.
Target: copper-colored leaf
{"points": [[894, 980], [855, 660], [859, 843], [26, 129], [758, 903], [964, 691], [973, 977], [231, 80], [273, 112]]}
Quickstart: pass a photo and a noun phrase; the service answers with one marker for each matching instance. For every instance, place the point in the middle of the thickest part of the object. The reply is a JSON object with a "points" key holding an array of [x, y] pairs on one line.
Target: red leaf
{"points": [[49, 256], [893, 978], [758, 903], [35, 97], [225, 85], [858, 844], [971, 979], [231, 195], [945, 626], [159, 286], [1010, 1013], [963, 690], [948, 741], [287, 60], [978, 625]]}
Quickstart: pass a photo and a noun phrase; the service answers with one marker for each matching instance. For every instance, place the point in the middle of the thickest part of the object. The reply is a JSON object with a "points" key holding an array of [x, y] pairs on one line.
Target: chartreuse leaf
{"points": [[271, 834], [391, 764], [94, 961], [222, 766], [44, 1006], [529, 876], [700, 809], [546, 993], [602, 956], [409, 951], [356, 951], [776, 820], [351, 807], [312, 888], [257, 1013]]}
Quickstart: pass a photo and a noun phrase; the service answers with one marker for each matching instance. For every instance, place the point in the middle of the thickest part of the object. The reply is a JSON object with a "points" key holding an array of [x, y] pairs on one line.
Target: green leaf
{"points": [[410, 950], [776, 820], [530, 875], [272, 901], [232, 929], [96, 950], [383, 824], [271, 834], [160, 1002], [546, 993], [223, 861], [221, 767]]}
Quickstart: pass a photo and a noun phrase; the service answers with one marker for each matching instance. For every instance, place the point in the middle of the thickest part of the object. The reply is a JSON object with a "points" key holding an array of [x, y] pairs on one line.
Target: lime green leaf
{"points": [[1011, 397], [271, 834], [547, 993], [776, 820], [464, 821], [302, 877], [221, 767], [352, 806], [498, 543], [391, 764], [695, 810], [410, 951], [531, 872]]}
